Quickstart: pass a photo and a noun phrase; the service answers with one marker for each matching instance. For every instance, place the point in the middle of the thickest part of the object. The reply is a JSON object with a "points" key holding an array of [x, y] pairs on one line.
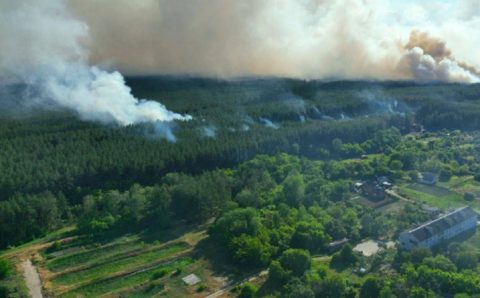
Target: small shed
{"points": [[191, 279]]}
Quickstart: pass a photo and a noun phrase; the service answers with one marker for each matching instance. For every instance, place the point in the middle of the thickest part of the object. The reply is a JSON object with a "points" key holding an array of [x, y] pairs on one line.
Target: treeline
{"points": [[25, 217], [75, 158], [436, 115]]}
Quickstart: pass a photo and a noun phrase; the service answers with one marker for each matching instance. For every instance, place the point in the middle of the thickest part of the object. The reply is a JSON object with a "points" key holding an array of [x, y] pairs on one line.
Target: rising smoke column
{"points": [[429, 59], [44, 46]]}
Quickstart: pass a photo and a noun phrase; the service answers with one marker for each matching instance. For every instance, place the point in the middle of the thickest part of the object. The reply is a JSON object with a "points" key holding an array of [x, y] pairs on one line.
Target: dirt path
{"points": [[396, 195], [229, 286], [32, 279]]}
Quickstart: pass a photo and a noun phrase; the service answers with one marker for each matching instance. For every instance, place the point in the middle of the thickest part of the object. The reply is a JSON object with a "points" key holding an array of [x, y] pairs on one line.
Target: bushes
{"points": [[250, 251], [248, 291], [5, 268], [159, 274], [346, 257], [297, 261], [469, 196]]}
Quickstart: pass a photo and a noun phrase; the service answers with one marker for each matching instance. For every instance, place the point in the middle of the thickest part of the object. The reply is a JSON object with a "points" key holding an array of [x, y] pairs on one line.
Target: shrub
{"points": [[57, 245], [469, 196], [4, 269], [248, 291], [159, 274], [201, 288]]}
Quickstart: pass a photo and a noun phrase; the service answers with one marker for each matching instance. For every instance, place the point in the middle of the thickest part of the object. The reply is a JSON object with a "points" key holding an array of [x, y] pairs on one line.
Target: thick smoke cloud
{"points": [[43, 46], [51, 43], [429, 59], [369, 39]]}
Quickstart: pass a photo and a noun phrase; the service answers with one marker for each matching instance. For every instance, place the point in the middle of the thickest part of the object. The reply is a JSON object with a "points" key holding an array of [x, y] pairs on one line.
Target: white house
{"points": [[440, 230]]}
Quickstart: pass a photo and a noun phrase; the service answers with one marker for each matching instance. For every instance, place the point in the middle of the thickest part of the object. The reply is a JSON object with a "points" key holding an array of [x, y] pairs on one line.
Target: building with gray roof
{"points": [[440, 230]]}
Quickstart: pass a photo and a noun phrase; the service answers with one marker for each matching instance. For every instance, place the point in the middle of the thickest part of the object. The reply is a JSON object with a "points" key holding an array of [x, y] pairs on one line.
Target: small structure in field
{"points": [[191, 279]]}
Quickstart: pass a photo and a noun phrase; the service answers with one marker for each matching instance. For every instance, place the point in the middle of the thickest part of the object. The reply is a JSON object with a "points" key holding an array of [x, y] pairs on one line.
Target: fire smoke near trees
{"points": [[51, 45], [45, 47]]}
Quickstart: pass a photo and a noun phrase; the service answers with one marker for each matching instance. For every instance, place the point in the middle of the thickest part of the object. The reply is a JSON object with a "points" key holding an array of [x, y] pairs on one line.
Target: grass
{"points": [[122, 267], [433, 195], [15, 285], [463, 184], [115, 284], [92, 255], [474, 242], [103, 269]]}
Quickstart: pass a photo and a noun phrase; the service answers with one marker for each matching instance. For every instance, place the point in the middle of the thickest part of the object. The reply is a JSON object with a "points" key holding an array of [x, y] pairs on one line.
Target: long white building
{"points": [[440, 230]]}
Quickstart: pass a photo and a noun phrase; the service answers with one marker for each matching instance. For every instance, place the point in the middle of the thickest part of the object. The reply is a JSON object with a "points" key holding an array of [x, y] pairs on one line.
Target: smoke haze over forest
{"points": [[368, 39], [72, 52]]}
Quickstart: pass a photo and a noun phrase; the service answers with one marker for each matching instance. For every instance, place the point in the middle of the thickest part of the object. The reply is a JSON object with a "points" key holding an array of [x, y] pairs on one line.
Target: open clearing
{"points": [[433, 195], [128, 266], [367, 248]]}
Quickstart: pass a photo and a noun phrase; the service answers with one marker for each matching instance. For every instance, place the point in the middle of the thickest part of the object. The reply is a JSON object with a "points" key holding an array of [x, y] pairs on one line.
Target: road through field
{"points": [[32, 279]]}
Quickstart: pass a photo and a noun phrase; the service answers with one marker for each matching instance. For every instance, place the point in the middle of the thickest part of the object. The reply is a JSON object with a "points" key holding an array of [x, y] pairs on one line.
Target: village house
{"points": [[440, 230], [373, 191]]}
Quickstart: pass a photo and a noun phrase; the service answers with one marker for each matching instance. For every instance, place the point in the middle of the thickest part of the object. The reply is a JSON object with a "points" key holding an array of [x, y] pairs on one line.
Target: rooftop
{"points": [[442, 223]]}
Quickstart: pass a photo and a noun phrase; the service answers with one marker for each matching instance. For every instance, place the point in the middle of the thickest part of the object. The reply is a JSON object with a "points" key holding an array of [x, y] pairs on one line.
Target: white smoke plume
{"points": [[45, 47], [209, 131], [268, 123], [353, 39]]}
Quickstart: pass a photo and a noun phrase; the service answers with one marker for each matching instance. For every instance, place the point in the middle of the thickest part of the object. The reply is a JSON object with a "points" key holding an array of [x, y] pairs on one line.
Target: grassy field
{"points": [[126, 282], [117, 264], [433, 195], [462, 184]]}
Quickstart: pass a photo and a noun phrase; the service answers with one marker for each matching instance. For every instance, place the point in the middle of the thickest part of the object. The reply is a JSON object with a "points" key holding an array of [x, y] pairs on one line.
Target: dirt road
{"points": [[231, 285], [32, 279]]}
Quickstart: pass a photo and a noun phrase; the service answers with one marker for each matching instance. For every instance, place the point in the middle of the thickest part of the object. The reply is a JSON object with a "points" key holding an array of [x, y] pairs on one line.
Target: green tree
{"points": [[309, 235], [417, 255], [346, 257], [439, 262], [248, 291], [332, 286], [370, 288], [235, 223], [294, 189], [250, 251], [296, 288], [445, 175], [466, 260], [5, 268], [296, 260], [277, 273]]}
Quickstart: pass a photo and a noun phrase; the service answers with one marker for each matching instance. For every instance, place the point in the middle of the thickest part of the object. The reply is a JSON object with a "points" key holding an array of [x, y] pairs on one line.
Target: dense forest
{"points": [[53, 156], [269, 161]]}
